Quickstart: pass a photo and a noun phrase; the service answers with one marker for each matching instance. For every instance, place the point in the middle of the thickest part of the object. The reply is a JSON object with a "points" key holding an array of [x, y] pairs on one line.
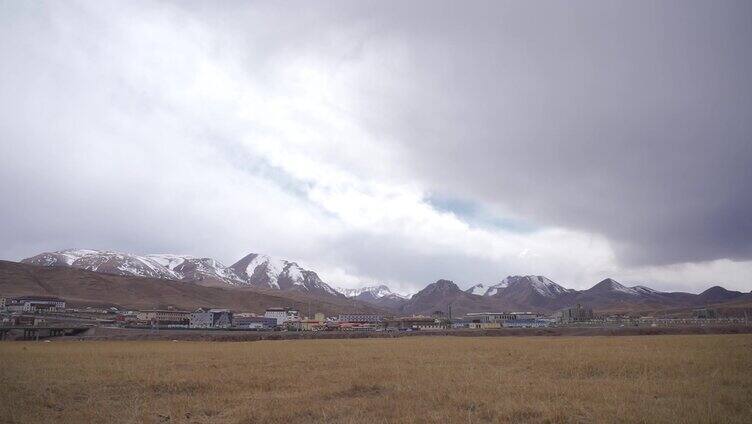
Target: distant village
{"points": [[35, 311]]}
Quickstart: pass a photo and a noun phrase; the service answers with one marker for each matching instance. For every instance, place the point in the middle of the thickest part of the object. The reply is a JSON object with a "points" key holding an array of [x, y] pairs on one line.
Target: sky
{"points": [[386, 142]]}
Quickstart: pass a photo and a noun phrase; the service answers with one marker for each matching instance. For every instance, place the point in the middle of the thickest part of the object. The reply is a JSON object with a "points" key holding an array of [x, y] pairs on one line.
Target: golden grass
{"points": [[705, 378]]}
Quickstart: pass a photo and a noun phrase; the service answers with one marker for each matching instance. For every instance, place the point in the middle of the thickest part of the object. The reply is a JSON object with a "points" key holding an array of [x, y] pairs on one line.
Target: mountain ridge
{"points": [[266, 273], [255, 270], [81, 287]]}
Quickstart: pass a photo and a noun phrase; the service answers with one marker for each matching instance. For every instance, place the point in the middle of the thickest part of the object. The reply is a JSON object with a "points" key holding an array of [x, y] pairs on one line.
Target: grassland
{"points": [[699, 378]]}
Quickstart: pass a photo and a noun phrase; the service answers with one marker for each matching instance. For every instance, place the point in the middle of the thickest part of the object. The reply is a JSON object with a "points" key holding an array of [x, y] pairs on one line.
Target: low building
{"points": [[484, 325], [358, 326], [32, 303], [705, 313], [528, 323], [360, 318], [126, 319], [576, 314], [251, 322], [163, 317], [26, 321], [461, 323], [413, 323], [293, 324], [282, 315], [312, 325], [211, 318], [500, 317]]}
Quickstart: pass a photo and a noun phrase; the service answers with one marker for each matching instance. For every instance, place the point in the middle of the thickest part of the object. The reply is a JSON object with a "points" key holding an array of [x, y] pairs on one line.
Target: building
{"points": [[25, 321], [705, 313], [414, 323], [576, 314], [282, 315], [527, 323], [163, 317], [360, 318], [126, 319], [252, 322], [312, 325], [500, 317], [484, 325], [358, 326], [461, 322], [211, 318], [293, 323], [32, 303]]}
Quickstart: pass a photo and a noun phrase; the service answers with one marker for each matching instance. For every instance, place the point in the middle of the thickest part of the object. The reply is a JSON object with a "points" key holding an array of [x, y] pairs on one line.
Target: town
{"points": [[28, 312]]}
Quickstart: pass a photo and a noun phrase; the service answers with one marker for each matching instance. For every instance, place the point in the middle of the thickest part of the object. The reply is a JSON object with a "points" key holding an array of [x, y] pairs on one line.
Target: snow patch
{"points": [[478, 289]]}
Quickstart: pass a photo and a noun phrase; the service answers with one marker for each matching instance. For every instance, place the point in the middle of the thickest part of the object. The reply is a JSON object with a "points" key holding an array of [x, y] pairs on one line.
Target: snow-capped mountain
{"points": [[610, 285], [371, 292], [191, 268], [539, 284], [253, 270], [444, 295], [269, 272], [528, 292], [105, 261], [478, 289], [379, 295]]}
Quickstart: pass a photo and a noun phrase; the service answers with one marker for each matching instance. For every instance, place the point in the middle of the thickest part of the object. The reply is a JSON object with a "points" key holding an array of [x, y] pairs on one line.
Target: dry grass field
{"points": [[703, 378]]}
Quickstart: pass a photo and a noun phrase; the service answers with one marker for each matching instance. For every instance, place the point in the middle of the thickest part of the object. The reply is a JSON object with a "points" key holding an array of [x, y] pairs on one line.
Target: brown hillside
{"points": [[80, 287]]}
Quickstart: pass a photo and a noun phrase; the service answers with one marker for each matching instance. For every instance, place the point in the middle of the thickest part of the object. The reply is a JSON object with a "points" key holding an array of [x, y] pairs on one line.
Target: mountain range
{"points": [[80, 287], [253, 270], [273, 275], [540, 294]]}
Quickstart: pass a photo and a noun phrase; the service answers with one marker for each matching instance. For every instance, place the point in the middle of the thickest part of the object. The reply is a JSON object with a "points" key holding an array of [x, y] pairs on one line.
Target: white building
{"points": [[32, 303], [282, 315]]}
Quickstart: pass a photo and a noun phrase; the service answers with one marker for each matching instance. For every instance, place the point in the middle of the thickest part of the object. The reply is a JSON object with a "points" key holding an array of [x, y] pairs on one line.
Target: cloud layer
{"points": [[384, 142]]}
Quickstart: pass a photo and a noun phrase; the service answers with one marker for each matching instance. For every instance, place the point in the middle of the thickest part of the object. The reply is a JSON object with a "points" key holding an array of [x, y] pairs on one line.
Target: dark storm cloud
{"points": [[633, 120]]}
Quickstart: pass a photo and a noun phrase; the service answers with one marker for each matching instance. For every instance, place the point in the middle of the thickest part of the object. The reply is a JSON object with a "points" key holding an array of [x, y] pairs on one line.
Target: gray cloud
{"points": [[398, 142], [630, 121]]}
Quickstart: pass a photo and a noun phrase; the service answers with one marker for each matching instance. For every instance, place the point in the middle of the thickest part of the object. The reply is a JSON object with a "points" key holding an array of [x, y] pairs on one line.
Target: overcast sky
{"points": [[391, 142]]}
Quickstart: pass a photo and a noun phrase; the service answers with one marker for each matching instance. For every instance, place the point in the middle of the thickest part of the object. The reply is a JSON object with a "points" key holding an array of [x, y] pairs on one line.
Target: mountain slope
{"points": [[204, 271], [253, 270], [540, 294], [268, 272], [83, 287], [530, 292], [370, 293], [718, 294], [440, 295], [104, 261], [268, 275]]}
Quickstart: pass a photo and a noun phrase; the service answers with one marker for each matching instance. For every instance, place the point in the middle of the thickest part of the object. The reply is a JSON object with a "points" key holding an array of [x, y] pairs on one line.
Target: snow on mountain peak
{"points": [[492, 290], [611, 285], [376, 292], [644, 290], [478, 289], [105, 261], [268, 271], [542, 285], [169, 260]]}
